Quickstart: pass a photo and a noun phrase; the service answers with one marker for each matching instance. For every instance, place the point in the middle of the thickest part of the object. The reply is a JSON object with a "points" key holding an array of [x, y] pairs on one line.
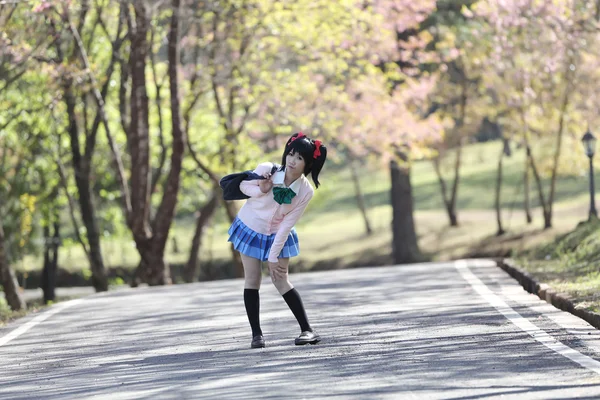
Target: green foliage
{"points": [[256, 71], [87, 274], [274, 68], [117, 281]]}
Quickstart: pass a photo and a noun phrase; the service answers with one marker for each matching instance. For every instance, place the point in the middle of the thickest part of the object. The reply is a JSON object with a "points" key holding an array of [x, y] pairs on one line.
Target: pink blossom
{"points": [[43, 6]]}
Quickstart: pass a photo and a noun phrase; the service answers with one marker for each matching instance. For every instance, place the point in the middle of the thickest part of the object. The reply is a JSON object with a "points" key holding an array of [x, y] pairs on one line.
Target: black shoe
{"points": [[258, 341], [307, 337]]}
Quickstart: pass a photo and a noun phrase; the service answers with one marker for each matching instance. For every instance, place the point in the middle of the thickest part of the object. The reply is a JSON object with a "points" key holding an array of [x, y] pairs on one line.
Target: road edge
{"points": [[546, 293]]}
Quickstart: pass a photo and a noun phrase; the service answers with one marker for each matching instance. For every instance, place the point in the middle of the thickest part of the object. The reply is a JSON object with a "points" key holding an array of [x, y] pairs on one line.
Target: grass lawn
{"points": [[7, 315], [570, 264], [332, 232]]}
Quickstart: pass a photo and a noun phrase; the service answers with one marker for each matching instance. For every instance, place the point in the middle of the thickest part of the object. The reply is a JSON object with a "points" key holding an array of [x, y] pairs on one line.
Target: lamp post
{"points": [[589, 144]]}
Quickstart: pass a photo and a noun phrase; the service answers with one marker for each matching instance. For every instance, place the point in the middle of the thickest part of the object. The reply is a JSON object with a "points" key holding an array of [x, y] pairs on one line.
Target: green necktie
{"points": [[283, 195]]}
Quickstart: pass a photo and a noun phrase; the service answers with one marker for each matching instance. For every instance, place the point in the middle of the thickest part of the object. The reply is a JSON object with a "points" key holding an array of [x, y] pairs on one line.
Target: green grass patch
{"points": [[570, 264], [7, 315]]}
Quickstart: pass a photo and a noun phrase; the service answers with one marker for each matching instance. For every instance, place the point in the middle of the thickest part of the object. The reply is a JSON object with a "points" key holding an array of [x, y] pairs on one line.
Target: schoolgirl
{"points": [[264, 229]]}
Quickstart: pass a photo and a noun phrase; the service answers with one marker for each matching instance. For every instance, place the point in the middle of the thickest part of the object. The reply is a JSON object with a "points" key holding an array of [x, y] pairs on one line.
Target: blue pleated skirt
{"points": [[258, 245]]}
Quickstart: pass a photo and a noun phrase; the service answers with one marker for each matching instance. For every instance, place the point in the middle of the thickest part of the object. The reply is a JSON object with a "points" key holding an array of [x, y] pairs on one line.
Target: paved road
{"points": [[462, 330]]}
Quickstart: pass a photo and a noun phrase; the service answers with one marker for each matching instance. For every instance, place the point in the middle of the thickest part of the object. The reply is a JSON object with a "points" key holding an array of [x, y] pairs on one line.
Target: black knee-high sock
{"points": [[252, 303], [293, 300]]}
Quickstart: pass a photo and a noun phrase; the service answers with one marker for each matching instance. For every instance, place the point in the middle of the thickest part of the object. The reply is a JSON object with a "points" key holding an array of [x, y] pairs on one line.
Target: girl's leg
{"points": [[252, 272], [283, 284], [292, 297], [252, 279]]}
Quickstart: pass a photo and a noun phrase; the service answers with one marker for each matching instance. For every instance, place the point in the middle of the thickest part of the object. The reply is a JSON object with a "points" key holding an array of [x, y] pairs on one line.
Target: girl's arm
{"points": [[251, 188], [286, 226]]}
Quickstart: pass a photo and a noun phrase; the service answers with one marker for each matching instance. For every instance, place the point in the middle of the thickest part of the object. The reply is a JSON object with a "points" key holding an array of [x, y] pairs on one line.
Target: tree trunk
{"points": [[45, 283], [8, 279], [231, 210], [52, 244], [538, 180], [190, 272], [54, 260], [101, 117], [99, 279], [166, 210], [404, 238], [237, 262], [500, 230], [360, 200], [452, 217], [449, 203], [526, 193], [138, 139], [82, 165], [457, 163], [152, 268], [151, 239], [547, 218], [559, 141], [82, 168]]}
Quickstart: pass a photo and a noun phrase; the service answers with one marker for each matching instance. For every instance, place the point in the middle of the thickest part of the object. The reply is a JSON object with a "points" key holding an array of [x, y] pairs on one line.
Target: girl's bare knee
{"points": [[282, 285], [252, 272], [252, 283]]}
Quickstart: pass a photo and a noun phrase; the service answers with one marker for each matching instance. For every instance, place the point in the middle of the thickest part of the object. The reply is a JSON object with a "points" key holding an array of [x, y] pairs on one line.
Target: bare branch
{"points": [[123, 106], [213, 73], [13, 79], [115, 45], [92, 34], [65, 185], [23, 62], [12, 118], [213, 177], [186, 117], [118, 39], [117, 160], [244, 119], [9, 15], [158, 100]]}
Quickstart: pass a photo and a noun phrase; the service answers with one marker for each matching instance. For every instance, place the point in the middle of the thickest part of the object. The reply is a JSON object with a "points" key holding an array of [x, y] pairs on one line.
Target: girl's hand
{"points": [[266, 184], [277, 271]]}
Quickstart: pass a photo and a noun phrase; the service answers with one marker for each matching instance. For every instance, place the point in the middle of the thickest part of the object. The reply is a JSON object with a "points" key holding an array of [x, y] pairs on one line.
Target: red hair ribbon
{"points": [[317, 152], [300, 134]]}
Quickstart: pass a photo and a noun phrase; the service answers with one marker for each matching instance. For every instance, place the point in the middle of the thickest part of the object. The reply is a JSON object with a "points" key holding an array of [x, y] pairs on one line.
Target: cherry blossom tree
{"points": [[535, 61]]}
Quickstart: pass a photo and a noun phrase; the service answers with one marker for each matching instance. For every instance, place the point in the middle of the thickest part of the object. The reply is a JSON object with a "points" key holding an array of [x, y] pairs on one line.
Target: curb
{"points": [[545, 292]]}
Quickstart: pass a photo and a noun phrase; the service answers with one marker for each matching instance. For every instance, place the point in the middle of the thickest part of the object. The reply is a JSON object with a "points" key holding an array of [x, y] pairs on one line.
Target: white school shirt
{"points": [[263, 214]]}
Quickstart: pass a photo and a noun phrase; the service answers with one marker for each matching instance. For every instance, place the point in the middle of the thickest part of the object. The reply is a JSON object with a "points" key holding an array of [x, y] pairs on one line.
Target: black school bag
{"points": [[231, 183]]}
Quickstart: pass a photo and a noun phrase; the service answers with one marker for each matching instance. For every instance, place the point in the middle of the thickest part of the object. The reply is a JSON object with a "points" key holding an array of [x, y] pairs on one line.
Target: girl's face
{"points": [[295, 162]]}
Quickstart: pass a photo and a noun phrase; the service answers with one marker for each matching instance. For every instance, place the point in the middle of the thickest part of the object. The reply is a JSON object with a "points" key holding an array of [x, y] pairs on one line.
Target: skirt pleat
{"points": [[258, 245]]}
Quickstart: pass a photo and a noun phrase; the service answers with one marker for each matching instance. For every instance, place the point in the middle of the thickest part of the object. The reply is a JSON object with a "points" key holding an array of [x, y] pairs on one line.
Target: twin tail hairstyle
{"points": [[313, 152]]}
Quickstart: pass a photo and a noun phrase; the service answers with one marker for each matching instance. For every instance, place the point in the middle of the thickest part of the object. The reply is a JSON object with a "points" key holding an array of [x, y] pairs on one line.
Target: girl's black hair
{"points": [[312, 151]]}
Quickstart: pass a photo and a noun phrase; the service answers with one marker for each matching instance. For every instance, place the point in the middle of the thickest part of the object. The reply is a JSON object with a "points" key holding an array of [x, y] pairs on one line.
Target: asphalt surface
{"points": [[462, 330]]}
